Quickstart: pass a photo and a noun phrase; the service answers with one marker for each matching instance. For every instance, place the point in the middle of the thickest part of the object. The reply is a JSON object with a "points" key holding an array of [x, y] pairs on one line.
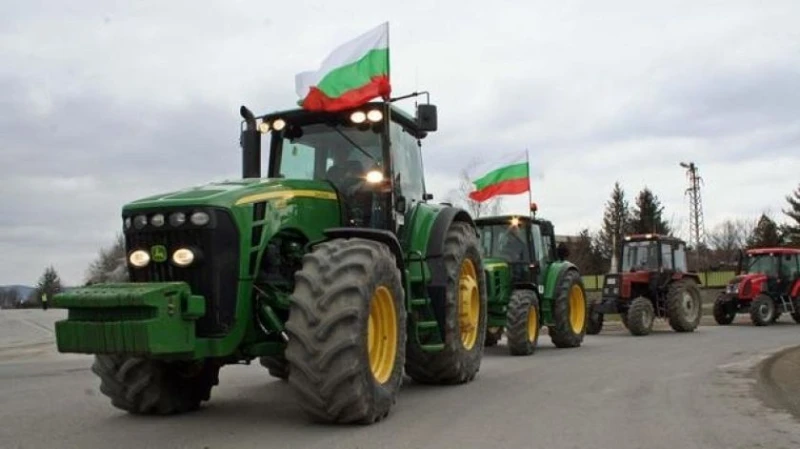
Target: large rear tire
{"points": [[465, 315], [641, 316], [684, 305], [724, 313], [278, 367], [595, 324], [154, 387], [762, 310], [347, 332], [796, 314], [523, 322], [569, 312]]}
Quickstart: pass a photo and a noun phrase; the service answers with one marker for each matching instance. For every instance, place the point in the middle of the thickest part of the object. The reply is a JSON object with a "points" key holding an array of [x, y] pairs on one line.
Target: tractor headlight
{"points": [[199, 218], [128, 223], [358, 117], [375, 115], [611, 281], [139, 258], [374, 176], [140, 221], [183, 257], [263, 127], [278, 124], [177, 219], [157, 220]]}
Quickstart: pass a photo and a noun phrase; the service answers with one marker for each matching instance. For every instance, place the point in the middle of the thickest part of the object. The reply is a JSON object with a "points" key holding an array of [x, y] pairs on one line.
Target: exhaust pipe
{"points": [[250, 141]]}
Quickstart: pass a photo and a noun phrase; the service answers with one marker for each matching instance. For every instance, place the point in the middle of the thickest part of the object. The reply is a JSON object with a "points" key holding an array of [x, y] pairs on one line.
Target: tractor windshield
{"points": [[327, 152], [761, 263], [640, 256], [504, 242]]}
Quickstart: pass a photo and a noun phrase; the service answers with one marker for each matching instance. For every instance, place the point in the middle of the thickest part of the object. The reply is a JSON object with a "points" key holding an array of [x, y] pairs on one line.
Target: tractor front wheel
{"points": [[762, 310], [595, 324], [724, 312], [155, 387], [465, 315], [641, 316], [347, 332], [523, 322], [684, 306], [278, 367], [569, 312]]}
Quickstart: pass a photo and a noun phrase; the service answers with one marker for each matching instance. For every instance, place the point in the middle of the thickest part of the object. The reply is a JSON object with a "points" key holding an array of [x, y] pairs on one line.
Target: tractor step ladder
{"points": [[422, 307], [787, 304]]}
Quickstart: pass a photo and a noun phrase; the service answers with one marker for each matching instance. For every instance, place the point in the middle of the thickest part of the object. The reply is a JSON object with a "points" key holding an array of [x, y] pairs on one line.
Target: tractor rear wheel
{"points": [[569, 312], [762, 309], [684, 306], [493, 336], [523, 322], [796, 313], [465, 315], [347, 332], [277, 366], [641, 316], [724, 313], [155, 387], [595, 324]]}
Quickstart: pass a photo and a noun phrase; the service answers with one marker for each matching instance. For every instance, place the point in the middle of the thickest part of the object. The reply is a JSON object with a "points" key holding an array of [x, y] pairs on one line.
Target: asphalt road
{"points": [[665, 390]]}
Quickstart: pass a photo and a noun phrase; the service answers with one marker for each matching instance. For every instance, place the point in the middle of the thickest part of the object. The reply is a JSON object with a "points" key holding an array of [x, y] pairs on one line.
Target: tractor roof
{"points": [[398, 115], [506, 219], [763, 251], [652, 237]]}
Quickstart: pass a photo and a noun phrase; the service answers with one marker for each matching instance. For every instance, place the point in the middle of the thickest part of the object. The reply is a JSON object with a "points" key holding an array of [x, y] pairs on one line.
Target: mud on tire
{"points": [[523, 332], [569, 322], [641, 316], [684, 306], [341, 285], [155, 387], [455, 364]]}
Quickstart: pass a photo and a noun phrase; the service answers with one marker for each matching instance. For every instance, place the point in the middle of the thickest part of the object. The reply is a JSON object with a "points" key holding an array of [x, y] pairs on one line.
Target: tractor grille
{"points": [[611, 285], [214, 275]]}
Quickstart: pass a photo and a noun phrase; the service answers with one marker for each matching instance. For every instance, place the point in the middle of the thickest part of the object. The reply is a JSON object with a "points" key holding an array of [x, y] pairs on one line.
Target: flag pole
{"points": [[530, 197]]}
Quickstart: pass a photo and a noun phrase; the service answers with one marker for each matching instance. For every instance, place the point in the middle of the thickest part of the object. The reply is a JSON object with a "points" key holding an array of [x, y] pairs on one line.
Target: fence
{"points": [[708, 279]]}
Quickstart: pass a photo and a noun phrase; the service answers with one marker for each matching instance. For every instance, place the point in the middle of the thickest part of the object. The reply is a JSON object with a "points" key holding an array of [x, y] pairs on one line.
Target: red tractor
{"points": [[767, 283], [653, 282]]}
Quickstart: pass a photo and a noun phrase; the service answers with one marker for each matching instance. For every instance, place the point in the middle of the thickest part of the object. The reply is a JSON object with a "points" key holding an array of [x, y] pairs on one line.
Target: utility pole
{"points": [[696, 225]]}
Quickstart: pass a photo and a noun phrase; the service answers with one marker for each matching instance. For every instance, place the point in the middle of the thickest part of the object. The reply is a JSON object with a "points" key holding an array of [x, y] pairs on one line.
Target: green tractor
{"points": [[335, 270], [530, 285]]}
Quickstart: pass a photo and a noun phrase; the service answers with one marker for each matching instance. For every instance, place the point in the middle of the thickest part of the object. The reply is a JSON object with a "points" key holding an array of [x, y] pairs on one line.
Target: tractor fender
{"points": [[693, 276], [378, 235], [796, 289], [555, 274]]}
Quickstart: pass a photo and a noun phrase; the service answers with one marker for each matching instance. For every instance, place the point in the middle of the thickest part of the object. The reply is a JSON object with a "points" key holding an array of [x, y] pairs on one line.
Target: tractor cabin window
{"points": [[640, 256], [680, 258], [762, 263], [666, 256], [504, 242], [407, 165]]}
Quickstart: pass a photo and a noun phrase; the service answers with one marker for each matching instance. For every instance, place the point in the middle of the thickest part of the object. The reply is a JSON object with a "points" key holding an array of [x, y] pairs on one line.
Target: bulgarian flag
{"points": [[350, 76], [510, 177]]}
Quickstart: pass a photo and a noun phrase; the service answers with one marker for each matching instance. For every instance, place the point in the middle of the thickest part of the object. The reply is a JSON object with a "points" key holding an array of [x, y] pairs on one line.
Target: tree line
{"points": [[592, 251]]}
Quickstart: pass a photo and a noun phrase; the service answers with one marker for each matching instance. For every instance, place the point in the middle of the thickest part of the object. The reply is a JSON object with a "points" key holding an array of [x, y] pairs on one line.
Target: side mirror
{"points": [[562, 252], [427, 196], [427, 117]]}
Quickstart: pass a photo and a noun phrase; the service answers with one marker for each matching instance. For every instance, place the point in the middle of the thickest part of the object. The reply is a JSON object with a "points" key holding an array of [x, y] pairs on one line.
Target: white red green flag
{"points": [[510, 176], [353, 74]]}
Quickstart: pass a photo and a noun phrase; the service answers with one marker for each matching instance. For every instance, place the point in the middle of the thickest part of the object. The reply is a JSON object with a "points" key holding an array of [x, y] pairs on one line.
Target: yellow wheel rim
{"points": [[533, 324], [468, 304], [577, 309], [382, 334]]}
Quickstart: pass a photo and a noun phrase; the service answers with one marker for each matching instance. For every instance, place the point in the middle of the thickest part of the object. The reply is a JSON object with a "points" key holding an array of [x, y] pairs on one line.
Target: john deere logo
{"points": [[158, 253]]}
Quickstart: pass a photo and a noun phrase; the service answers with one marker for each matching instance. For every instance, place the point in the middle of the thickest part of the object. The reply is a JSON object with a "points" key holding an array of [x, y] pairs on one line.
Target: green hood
{"points": [[239, 192]]}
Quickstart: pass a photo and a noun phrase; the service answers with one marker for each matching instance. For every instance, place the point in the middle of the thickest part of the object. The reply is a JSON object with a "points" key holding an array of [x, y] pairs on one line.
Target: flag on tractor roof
{"points": [[354, 73], [509, 177]]}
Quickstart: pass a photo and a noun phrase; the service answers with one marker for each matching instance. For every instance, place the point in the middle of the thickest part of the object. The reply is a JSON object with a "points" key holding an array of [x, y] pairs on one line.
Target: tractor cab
{"points": [[648, 263], [370, 156], [526, 244]]}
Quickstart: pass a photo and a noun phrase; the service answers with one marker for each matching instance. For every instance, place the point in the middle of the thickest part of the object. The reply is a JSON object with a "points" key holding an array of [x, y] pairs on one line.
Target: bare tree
{"points": [[728, 237], [110, 264]]}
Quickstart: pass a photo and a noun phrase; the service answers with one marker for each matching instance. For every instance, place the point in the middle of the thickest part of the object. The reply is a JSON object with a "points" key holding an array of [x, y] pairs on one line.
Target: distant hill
{"points": [[23, 291]]}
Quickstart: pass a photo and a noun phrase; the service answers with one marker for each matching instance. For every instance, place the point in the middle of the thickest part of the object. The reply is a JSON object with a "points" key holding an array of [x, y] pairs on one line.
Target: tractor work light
{"points": [[199, 218], [263, 127], [177, 219], [374, 176], [139, 258], [358, 117], [183, 257], [515, 222], [140, 221], [278, 124], [649, 236], [157, 220], [375, 115]]}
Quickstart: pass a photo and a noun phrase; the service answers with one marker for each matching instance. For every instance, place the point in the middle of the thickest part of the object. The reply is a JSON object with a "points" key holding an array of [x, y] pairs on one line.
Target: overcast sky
{"points": [[107, 101]]}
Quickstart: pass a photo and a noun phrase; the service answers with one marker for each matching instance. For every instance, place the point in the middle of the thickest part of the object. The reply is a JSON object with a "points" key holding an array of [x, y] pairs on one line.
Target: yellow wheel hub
{"points": [[533, 324], [382, 334], [469, 306], [577, 309]]}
